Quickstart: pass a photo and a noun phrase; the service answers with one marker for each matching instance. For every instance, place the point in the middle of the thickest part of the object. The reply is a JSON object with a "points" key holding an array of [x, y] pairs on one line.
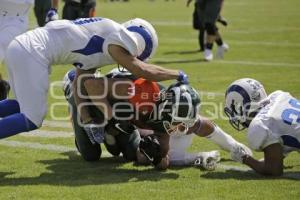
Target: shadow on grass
{"points": [[73, 171], [247, 175]]}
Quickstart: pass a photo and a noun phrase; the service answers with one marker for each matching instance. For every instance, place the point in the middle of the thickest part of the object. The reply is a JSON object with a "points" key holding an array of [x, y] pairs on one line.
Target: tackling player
{"points": [[88, 44], [273, 123]]}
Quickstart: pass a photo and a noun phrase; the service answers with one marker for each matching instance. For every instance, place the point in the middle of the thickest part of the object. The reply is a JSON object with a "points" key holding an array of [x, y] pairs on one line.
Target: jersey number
{"points": [[290, 116]]}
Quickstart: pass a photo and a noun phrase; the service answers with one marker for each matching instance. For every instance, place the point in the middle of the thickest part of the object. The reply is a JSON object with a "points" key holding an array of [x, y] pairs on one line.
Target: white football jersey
{"points": [[13, 7], [82, 42], [277, 122]]}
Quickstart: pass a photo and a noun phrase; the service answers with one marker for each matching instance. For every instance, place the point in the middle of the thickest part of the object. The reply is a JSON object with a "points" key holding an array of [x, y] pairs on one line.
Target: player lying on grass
{"points": [[121, 136], [165, 121], [88, 44], [273, 123]]}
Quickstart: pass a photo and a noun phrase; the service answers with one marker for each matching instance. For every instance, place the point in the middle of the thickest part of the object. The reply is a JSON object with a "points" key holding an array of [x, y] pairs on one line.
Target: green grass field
{"points": [[264, 39]]}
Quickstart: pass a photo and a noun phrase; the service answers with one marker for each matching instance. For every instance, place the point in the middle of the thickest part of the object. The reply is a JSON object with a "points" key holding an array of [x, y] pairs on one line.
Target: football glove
{"points": [[116, 127], [94, 131], [183, 77], [51, 15], [4, 89], [150, 147]]}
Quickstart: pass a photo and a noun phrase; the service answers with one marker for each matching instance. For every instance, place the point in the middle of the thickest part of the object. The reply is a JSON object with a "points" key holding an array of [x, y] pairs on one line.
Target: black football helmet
{"points": [[179, 108]]}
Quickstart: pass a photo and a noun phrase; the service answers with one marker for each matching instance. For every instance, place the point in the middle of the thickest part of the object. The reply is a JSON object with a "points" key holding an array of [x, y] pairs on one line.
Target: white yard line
{"points": [[235, 62], [48, 134], [234, 42], [57, 124], [48, 147], [35, 145]]}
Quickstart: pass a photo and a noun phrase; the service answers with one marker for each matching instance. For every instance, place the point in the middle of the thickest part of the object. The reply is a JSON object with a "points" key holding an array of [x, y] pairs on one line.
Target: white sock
{"points": [[219, 137]]}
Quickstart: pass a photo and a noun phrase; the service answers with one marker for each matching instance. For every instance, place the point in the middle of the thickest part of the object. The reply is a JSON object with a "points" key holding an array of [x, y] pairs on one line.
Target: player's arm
{"points": [[272, 163], [164, 140], [141, 69], [52, 13], [78, 88]]}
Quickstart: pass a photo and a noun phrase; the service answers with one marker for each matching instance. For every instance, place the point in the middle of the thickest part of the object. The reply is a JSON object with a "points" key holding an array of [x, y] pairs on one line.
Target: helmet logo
{"points": [[148, 41]]}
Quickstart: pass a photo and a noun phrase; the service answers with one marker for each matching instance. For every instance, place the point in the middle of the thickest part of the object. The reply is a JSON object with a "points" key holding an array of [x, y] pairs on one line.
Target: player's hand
{"points": [[238, 153], [94, 131], [51, 15], [183, 77], [150, 147]]}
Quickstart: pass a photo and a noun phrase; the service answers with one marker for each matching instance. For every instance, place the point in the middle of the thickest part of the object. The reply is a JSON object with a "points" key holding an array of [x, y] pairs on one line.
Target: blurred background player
{"points": [[73, 9], [208, 12], [41, 8], [273, 124], [198, 25]]}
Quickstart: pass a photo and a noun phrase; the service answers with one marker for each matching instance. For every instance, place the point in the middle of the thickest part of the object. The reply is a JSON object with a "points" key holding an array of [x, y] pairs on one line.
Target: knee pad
{"points": [[210, 28]]}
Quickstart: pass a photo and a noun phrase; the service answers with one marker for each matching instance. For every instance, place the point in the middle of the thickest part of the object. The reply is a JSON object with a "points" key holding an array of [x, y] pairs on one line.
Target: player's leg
{"points": [[215, 134], [29, 81], [179, 155], [41, 7], [88, 151], [211, 12], [178, 147]]}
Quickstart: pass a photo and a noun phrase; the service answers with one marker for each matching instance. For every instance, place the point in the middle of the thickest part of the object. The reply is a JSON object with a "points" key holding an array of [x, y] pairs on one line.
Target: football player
{"points": [[273, 124], [169, 112], [88, 44], [121, 136]]}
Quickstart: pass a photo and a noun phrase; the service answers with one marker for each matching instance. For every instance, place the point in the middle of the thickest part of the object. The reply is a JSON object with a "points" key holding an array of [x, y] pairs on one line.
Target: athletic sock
{"points": [[219, 137], [14, 124], [8, 107]]}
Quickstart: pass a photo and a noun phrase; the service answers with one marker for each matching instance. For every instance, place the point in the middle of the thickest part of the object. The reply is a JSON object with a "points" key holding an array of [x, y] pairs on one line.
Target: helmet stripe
{"points": [[148, 41], [242, 92]]}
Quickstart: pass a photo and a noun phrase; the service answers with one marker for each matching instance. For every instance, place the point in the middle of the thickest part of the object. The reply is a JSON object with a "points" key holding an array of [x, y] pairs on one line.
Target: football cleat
{"points": [[208, 55], [208, 160], [221, 50]]}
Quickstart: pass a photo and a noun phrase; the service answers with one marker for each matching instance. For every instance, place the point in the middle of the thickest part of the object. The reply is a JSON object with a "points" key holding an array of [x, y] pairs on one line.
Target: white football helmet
{"points": [[243, 99], [145, 35]]}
